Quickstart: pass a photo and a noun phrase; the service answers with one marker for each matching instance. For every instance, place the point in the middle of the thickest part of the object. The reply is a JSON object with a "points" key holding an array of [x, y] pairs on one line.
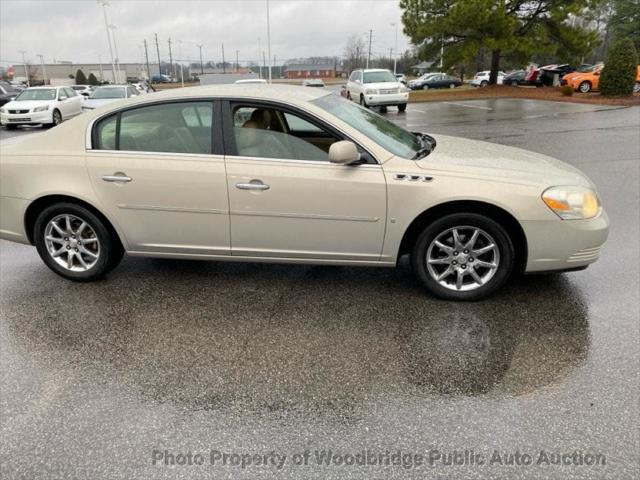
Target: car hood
{"points": [[98, 102], [382, 85], [26, 104], [486, 160]]}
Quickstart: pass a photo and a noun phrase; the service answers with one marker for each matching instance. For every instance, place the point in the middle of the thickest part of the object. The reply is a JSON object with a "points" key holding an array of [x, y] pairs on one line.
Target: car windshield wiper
{"points": [[428, 145]]}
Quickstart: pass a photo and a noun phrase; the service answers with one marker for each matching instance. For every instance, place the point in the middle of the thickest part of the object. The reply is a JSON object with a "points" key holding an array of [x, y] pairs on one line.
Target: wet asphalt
{"points": [[114, 380]]}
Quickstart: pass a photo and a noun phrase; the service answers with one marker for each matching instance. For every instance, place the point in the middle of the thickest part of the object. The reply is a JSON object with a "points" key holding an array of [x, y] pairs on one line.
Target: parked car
{"points": [[84, 90], [515, 78], [481, 79], [250, 80], [108, 94], [549, 72], [7, 93], [585, 82], [160, 78], [48, 106], [402, 78], [302, 176], [438, 80], [19, 86], [376, 87], [313, 82], [416, 83]]}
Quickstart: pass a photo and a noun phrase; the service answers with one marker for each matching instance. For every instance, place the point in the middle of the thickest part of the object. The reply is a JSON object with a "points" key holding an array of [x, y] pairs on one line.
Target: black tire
{"points": [[11, 126], [110, 252], [363, 102], [636, 87], [402, 107], [484, 83], [425, 87], [56, 118], [584, 87], [491, 227], [452, 85], [348, 95]]}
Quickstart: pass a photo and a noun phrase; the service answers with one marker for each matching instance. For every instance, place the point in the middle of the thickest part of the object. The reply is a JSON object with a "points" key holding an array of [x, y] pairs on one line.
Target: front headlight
{"points": [[370, 91], [43, 108], [572, 203]]}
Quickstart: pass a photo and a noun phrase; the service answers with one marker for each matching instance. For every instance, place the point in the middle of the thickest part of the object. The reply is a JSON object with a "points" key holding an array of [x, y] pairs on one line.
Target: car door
{"points": [[356, 85], [287, 200], [61, 103], [75, 101], [162, 177]]}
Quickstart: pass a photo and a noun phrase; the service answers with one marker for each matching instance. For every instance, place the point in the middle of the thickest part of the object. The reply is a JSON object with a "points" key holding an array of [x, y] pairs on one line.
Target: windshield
{"points": [[108, 92], [37, 94], [385, 133], [381, 76]]}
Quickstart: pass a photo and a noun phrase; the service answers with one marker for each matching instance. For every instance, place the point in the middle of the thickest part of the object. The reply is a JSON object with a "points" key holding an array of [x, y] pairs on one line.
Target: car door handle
{"points": [[253, 185], [116, 177]]}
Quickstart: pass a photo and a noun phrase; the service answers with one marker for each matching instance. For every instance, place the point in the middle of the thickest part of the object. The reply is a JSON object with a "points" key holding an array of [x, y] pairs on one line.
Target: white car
{"points": [[376, 87], [481, 79], [46, 106], [245, 81], [277, 173], [107, 94], [84, 90], [313, 82]]}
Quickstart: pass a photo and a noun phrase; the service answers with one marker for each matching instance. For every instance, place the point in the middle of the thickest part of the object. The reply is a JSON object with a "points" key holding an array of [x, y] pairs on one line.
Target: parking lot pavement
{"points": [[196, 357]]}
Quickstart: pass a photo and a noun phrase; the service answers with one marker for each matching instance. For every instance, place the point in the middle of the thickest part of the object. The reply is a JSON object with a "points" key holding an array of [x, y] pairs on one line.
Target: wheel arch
{"points": [[498, 214], [39, 204]]}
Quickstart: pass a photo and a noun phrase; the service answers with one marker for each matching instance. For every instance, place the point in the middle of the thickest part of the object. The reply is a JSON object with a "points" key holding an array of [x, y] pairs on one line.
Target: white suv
{"points": [[376, 88], [482, 78]]}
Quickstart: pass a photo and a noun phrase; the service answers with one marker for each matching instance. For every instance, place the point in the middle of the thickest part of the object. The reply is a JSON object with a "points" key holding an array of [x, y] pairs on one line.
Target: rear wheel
{"points": [[76, 244], [425, 87], [636, 87], [463, 256], [452, 85], [402, 107], [584, 87], [484, 83]]}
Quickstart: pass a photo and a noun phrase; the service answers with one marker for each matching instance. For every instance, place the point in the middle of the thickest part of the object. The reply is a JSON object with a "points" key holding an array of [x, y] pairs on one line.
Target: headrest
{"points": [[262, 117], [248, 135]]}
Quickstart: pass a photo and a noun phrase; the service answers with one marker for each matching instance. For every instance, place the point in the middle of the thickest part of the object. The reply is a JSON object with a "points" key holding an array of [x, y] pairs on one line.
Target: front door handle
{"points": [[116, 177], [253, 185]]}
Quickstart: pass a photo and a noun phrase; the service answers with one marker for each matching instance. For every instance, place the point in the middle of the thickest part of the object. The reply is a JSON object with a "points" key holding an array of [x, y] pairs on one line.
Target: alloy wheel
{"points": [[463, 258], [72, 243], [57, 119]]}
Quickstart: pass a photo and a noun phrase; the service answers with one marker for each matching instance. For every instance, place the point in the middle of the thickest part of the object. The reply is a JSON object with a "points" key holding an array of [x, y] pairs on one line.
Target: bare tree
{"points": [[354, 53]]}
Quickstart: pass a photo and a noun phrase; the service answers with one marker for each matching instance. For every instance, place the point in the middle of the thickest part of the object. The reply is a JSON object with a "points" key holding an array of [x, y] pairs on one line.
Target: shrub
{"points": [[80, 78], [566, 90], [619, 73], [92, 80]]}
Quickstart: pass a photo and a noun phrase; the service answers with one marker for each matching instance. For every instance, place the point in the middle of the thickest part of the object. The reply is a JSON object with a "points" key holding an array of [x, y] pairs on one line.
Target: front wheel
{"points": [[463, 256], [636, 87], [584, 87], [363, 102], [11, 126], [484, 83], [452, 85], [402, 107], [425, 87], [56, 119], [76, 244]]}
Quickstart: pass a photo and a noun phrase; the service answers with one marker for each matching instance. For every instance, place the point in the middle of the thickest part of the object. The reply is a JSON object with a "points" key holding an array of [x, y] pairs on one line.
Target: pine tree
{"points": [[619, 72], [80, 78]]}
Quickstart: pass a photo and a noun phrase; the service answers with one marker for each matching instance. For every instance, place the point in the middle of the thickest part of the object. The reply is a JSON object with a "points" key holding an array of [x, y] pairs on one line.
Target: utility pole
{"points": [[104, 4], [395, 49], [44, 72], [269, 41], [146, 58], [259, 55], [24, 64], [100, 66], [237, 64], [224, 67], [201, 64], [158, 52], [115, 48], [369, 54], [180, 60], [171, 60], [264, 60]]}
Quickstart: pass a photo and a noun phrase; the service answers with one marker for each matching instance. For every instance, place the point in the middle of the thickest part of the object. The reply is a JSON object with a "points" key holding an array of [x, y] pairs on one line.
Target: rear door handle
{"points": [[116, 177], [253, 185]]}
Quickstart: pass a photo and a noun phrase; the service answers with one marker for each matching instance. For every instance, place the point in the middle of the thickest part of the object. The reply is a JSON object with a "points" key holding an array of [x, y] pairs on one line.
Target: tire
{"points": [[56, 119], [348, 95], [11, 126], [484, 83], [425, 87], [452, 85], [402, 107], [490, 233], [636, 87], [584, 87], [98, 252], [363, 102]]}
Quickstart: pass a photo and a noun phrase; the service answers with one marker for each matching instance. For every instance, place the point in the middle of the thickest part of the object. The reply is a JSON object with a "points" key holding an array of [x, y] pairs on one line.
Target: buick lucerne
{"points": [[276, 173]]}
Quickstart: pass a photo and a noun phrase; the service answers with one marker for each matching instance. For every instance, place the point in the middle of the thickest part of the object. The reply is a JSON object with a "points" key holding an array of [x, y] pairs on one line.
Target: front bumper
{"points": [[30, 118], [564, 244], [379, 100]]}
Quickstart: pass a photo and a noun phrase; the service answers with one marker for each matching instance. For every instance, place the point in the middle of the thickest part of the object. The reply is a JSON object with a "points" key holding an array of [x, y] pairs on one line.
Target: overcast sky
{"points": [[74, 30]]}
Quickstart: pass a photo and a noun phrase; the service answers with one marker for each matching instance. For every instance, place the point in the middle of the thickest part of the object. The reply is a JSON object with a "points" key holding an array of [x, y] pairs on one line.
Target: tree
{"points": [[619, 73], [625, 21], [514, 28], [81, 79], [353, 53], [92, 80]]}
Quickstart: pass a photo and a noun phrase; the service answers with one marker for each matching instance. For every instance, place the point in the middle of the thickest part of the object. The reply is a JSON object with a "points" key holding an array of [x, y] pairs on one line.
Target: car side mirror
{"points": [[344, 152], [597, 74], [62, 97]]}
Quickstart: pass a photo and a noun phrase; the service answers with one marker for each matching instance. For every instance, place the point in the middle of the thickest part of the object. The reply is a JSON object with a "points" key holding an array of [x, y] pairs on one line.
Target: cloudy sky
{"points": [[74, 30]]}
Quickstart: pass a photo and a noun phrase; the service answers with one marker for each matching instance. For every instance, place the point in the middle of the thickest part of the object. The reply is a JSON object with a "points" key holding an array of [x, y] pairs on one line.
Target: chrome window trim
{"points": [[271, 161], [204, 156]]}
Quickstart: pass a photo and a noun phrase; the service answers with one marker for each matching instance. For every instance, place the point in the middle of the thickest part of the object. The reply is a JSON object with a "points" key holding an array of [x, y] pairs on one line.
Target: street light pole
{"points": [[395, 50], [268, 41], [180, 60], [24, 64], [201, 65], [44, 72], [105, 4], [259, 58], [115, 47]]}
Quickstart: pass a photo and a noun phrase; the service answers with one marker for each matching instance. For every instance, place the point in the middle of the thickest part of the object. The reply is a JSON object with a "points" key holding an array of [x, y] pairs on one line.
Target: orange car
{"points": [[587, 81]]}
